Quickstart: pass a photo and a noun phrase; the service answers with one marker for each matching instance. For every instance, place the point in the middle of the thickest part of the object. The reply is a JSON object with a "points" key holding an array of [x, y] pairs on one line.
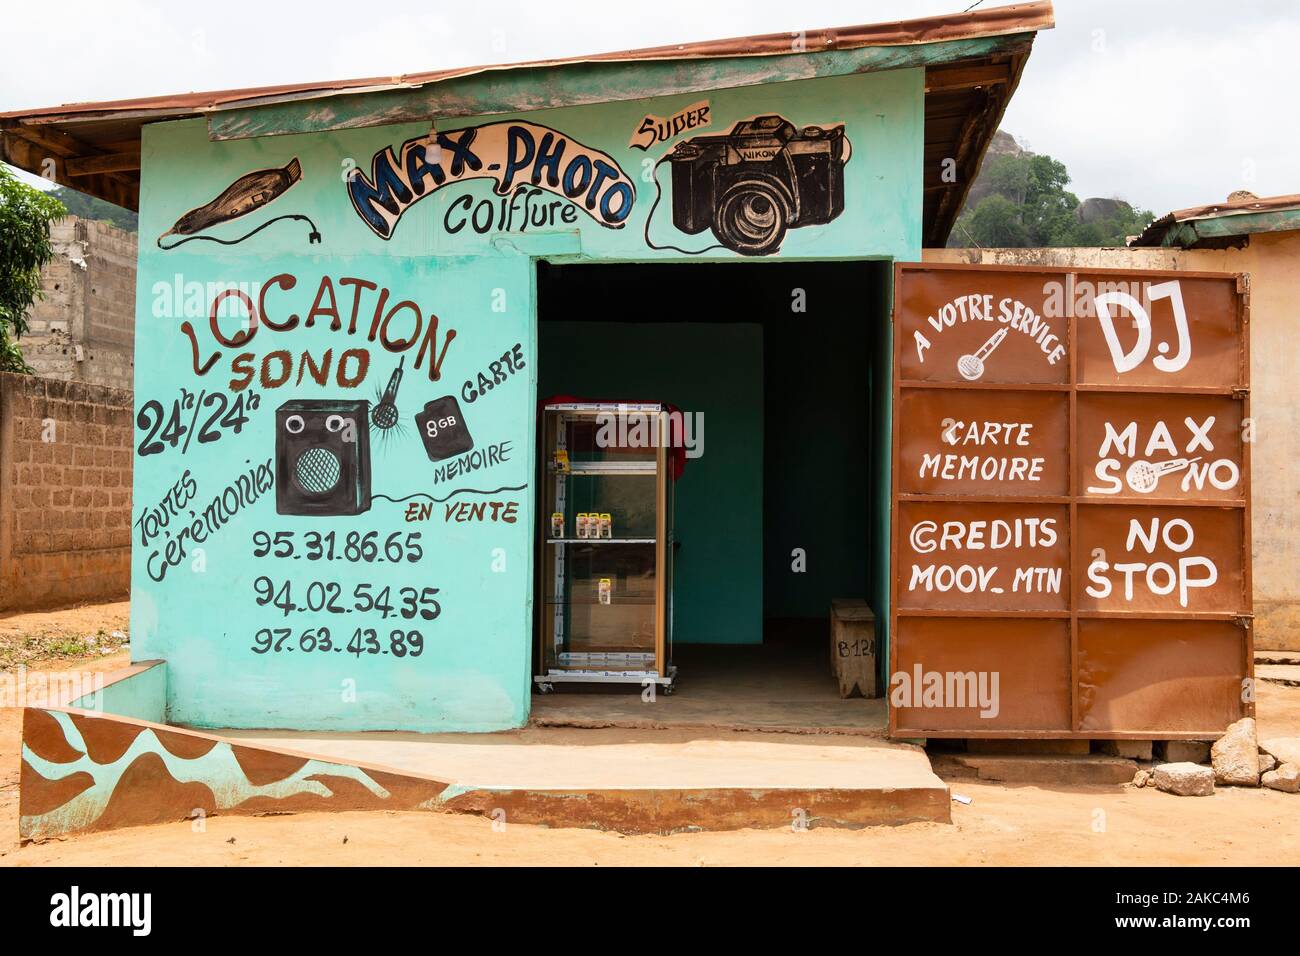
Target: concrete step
{"points": [[1048, 769], [653, 781], [76, 776], [709, 709]]}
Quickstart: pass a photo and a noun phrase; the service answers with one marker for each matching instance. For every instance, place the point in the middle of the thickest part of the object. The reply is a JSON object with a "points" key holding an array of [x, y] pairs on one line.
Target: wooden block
{"points": [[848, 607], [853, 646]]}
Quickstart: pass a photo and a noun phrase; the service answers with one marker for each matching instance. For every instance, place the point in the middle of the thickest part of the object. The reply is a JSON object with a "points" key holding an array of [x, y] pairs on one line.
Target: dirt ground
{"points": [[71, 634], [1003, 825]]}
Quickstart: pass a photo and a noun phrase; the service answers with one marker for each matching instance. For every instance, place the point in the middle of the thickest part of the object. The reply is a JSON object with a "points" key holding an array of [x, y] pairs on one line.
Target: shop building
{"points": [[358, 302]]}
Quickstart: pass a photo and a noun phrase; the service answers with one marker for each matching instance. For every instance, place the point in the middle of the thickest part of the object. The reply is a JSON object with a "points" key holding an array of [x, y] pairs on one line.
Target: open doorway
{"points": [[781, 506]]}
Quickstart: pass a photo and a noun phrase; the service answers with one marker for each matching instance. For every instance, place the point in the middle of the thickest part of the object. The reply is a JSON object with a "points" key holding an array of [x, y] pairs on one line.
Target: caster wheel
{"points": [[668, 690], [546, 688]]}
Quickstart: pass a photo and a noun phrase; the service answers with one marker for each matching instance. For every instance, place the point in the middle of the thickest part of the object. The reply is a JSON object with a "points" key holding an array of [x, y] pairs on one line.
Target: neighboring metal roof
{"points": [[1223, 224], [96, 146]]}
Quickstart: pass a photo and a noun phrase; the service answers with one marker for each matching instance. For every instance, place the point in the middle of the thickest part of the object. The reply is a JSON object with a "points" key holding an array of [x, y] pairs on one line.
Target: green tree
{"points": [[88, 207], [1023, 201], [1049, 206], [25, 217], [1007, 176], [996, 221]]}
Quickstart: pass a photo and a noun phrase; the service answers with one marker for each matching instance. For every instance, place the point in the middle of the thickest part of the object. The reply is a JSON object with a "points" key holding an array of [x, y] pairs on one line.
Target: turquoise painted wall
{"points": [[237, 613], [208, 614], [716, 372], [142, 696]]}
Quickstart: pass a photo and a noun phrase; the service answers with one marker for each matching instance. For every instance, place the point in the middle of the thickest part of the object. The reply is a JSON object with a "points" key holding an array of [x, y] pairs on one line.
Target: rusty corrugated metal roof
{"points": [[1155, 234], [986, 22], [96, 146], [1236, 208]]}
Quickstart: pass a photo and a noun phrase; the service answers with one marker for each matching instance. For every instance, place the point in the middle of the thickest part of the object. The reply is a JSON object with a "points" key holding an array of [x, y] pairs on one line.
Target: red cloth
{"points": [[676, 453]]}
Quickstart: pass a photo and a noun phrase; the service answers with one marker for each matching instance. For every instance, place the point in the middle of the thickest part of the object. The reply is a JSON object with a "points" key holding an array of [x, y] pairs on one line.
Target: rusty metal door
{"points": [[1071, 503]]}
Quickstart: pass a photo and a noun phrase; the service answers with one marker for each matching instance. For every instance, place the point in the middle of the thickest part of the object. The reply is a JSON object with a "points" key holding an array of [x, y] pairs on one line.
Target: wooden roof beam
{"points": [[951, 79], [35, 147], [128, 161]]}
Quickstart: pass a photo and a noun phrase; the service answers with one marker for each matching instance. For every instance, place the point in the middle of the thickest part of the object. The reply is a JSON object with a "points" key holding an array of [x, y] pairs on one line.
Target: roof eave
{"points": [[982, 22], [973, 63], [1207, 226]]}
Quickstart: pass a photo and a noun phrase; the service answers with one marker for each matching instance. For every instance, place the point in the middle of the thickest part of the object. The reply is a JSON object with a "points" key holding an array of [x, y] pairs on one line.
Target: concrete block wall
{"points": [[83, 330], [65, 492]]}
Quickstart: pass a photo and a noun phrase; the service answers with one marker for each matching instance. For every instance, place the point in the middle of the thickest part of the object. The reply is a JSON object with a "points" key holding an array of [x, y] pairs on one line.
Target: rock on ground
{"points": [[1284, 749], [1285, 778], [1141, 778], [1267, 762], [1184, 779], [1235, 755]]}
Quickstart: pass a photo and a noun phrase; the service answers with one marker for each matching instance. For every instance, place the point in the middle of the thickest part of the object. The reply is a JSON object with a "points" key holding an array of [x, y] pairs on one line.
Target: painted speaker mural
{"points": [[322, 457]]}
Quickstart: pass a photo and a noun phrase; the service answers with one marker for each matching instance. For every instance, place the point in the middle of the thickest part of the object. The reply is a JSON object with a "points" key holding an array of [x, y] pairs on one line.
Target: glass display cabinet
{"points": [[605, 540]]}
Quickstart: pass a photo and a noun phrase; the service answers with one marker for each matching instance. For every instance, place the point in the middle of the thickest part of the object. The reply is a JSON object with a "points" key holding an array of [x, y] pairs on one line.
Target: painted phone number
{"points": [[355, 547], [328, 597], [364, 640]]}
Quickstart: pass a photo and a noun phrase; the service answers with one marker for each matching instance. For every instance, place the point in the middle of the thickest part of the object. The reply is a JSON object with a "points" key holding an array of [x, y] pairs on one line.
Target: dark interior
{"points": [[782, 356]]}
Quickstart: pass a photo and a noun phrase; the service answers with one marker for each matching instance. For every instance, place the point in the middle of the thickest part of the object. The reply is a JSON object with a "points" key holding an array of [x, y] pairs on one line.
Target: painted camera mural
{"points": [[336, 395]]}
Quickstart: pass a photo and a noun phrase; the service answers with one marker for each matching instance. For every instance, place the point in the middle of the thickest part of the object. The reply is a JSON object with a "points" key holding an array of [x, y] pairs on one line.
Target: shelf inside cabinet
{"points": [[625, 598], [581, 469], [602, 540]]}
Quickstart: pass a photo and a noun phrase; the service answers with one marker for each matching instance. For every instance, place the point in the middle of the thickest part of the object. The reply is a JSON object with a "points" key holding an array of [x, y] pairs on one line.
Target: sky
{"points": [[1164, 103]]}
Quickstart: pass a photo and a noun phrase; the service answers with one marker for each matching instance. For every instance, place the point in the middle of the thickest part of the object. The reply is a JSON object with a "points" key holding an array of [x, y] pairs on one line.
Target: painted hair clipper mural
{"points": [[756, 181], [246, 194]]}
